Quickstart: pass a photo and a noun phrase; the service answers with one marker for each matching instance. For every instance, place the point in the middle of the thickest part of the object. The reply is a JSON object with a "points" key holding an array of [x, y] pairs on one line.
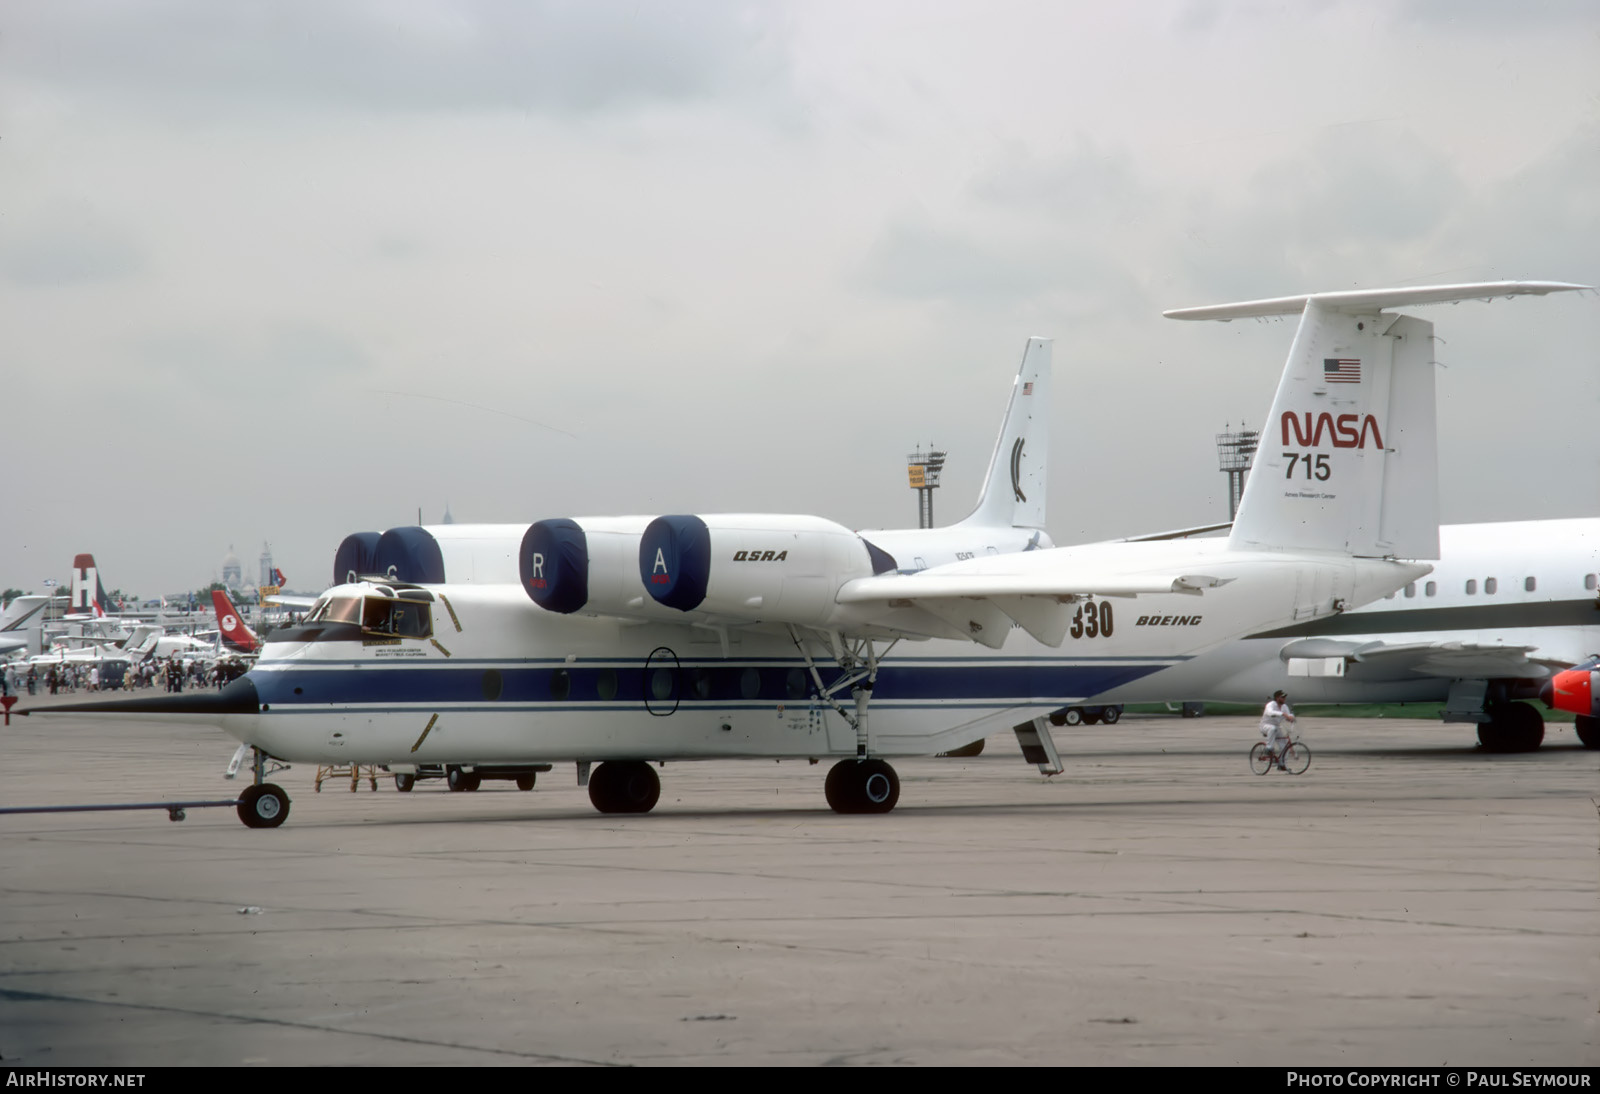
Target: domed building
{"points": [[232, 571]]}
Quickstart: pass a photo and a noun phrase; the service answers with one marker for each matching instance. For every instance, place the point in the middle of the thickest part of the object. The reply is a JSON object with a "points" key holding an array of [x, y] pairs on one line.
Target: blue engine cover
{"points": [[675, 561], [409, 554], [356, 556], [554, 560]]}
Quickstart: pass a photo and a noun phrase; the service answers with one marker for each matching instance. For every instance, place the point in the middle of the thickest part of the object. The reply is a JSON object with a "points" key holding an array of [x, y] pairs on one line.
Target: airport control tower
{"points": [[1236, 451], [924, 472]]}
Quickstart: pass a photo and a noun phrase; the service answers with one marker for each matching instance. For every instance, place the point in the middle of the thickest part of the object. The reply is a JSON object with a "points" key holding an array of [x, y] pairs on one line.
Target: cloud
{"points": [[280, 356], [66, 244], [545, 55]]}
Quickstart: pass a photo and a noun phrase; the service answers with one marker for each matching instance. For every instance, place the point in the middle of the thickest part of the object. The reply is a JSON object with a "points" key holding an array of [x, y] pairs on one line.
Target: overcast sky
{"points": [[282, 271]]}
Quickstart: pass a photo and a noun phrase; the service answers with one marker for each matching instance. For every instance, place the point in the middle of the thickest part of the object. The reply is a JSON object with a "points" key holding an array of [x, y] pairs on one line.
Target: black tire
{"points": [[974, 749], [264, 806], [1296, 758], [1111, 715], [463, 781], [1588, 728], [862, 786], [1091, 718], [624, 786], [525, 782], [1512, 727], [1072, 716], [1260, 758], [405, 783]]}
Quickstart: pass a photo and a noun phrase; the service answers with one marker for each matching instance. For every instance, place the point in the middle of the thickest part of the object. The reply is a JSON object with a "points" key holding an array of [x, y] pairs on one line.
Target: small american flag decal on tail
{"points": [[1341, 370]]}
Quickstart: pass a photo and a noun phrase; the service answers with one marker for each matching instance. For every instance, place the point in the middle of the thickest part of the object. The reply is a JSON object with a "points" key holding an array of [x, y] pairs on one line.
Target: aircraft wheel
{"points": [[1091, 718], [624, 786], [525, 782], [1073, 716], [465, 781], [1111, 715], [974, 749], [264, 806], [1589, 730], [404, 783], [1514, 727], [862, 786]]}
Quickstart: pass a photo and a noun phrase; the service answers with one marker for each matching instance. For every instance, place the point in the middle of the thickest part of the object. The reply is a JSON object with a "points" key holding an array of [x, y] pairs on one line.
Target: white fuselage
{"points": [[1532, 584], [518, 684]]}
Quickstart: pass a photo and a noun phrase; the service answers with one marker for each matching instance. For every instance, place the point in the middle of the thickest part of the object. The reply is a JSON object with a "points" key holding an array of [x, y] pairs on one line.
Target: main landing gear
{"points": [[1589, 730], [624, 786], [1512, 727], [862, 786], [263, 804]]}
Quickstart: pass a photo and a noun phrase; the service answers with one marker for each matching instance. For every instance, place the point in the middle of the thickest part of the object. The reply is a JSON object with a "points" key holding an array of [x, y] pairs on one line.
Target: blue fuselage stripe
{"points": [[582, 687]]}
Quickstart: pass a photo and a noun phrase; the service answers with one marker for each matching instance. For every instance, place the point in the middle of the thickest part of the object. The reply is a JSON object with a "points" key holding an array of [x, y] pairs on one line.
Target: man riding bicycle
{"points": [[1273, 716]]}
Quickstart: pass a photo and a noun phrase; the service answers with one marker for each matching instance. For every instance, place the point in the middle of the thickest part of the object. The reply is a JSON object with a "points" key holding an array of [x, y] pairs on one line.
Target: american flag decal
{"points": [[1027, 388], [1341, 370]]}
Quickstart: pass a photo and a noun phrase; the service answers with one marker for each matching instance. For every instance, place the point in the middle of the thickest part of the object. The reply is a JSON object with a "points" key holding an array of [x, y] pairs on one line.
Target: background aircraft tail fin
{"points": [[1013, 493], [235, 635], [88, 595]]}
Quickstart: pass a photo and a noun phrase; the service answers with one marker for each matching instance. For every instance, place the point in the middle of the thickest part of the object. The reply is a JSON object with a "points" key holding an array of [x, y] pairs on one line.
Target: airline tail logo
{"points": [[234, 633], [1343, 431]]}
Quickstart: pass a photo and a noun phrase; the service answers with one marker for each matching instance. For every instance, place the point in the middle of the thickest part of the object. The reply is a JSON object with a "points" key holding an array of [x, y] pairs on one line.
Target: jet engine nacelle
{"points": [[573, 564], [1577, 690], [771, 568]]}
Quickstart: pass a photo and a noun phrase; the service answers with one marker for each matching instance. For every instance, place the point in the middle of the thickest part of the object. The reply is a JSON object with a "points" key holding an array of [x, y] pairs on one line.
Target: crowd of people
{"points": [[65, 677]]}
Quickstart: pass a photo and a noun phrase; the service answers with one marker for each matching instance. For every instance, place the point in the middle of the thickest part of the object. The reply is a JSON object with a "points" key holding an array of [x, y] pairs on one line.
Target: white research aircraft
{"points": [[698, 637], [1507, 607]]}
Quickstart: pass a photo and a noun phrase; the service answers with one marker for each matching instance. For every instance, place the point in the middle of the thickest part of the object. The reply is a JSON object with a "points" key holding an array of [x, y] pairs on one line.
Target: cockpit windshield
{"points": [[337, 609]]}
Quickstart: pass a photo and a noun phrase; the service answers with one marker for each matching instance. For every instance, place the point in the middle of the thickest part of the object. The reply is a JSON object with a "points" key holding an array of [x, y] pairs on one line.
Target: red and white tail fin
{"points": [[235, 635], [88, 595]]}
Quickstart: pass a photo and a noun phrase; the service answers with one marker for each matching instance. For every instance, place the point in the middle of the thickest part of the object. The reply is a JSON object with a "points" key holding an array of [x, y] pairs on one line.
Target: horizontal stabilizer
{"points": [[1372, 301]]}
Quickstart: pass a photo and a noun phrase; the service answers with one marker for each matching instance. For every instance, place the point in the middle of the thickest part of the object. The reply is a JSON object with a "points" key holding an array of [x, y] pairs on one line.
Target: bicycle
{"points": [[1295, 759]]}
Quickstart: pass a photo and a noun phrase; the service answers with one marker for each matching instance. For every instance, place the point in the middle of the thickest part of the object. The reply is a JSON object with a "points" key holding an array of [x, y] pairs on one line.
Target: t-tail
{"points": [[235, 635], [1348, 458], [1014, 489]]}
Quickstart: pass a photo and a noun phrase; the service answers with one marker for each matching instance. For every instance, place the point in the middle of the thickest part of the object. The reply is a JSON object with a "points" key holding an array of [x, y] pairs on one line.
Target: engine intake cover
{"points": [[675, 561], [554, 561]]}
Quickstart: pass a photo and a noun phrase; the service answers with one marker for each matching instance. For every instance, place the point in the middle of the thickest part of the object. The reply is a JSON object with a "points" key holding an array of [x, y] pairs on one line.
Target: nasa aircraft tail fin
{"points": [[235, 635], [1348, 459], [1014, 489]]}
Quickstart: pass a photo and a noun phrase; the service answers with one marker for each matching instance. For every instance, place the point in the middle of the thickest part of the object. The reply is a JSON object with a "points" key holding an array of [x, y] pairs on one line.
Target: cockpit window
{"points": [[400, 618], [339, 609]]}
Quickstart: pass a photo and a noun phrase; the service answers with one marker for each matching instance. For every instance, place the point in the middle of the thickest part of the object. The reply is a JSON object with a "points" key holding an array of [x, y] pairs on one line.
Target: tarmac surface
{"points": [[1407, 901]]}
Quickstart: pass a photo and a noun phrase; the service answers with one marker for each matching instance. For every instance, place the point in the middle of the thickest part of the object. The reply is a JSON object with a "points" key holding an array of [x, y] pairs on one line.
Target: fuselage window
{"points": [[1430, 588], [560, 684], [1529, 585], [1472, 586], [661, 683], [1411, 589], [400, 618], [605, 683], [700, 683], [1589, 580], [1490, 586], [795, 684], [750, 683]]}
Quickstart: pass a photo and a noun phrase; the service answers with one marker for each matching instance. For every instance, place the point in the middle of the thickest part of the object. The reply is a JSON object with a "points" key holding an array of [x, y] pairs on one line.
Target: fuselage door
{"points": [[663, 684]]}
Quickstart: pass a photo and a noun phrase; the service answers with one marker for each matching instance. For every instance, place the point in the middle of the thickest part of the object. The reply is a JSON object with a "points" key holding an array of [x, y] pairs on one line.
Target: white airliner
{"points": [[1508, 605], [631, 640]]}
